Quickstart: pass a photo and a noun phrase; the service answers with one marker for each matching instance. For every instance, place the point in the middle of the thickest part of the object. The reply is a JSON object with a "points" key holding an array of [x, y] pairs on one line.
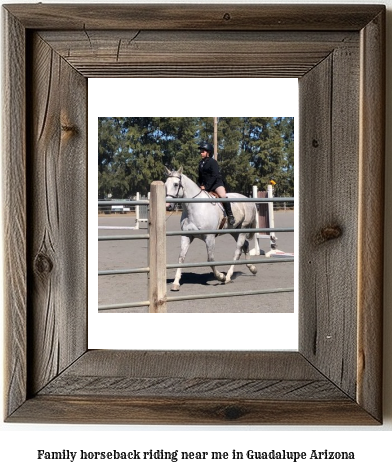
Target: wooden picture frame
{"points": [[338, 54]]}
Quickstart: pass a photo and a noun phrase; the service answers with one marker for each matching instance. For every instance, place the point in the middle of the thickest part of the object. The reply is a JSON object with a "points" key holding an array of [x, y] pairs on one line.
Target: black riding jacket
{"points": [[209, 174]]}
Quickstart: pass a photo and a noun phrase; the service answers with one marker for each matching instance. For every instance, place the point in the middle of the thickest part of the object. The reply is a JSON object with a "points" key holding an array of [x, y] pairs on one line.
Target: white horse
{"points": [[208, 216]]}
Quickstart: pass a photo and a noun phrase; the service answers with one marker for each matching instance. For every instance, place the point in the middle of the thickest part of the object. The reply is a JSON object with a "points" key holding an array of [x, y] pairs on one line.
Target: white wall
{"points": [[19, 443]]}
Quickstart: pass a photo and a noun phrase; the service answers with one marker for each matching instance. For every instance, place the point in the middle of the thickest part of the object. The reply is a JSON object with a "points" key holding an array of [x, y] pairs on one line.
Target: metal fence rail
{"points": [[172, 233], [180, 200], [170, 266], [171, 299], [157, 287]]}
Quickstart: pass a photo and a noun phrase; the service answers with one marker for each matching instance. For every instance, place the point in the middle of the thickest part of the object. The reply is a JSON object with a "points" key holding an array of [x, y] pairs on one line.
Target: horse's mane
{"points": [[179, 174]]}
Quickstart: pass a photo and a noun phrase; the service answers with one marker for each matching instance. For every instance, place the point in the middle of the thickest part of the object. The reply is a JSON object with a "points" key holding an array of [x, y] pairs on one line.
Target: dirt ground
{"points": [[195, 281]]}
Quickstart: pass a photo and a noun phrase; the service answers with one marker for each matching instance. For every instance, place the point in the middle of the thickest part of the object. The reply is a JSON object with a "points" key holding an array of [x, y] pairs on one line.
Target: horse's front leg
{"points": [[185, 243], [210, 244], [240, 239]]}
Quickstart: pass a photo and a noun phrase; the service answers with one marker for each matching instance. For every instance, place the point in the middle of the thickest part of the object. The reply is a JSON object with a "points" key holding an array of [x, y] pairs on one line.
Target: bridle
{"points": [[179, 187]]}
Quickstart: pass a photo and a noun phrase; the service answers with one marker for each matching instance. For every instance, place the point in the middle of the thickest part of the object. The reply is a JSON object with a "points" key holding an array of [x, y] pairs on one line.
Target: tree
{"points": [[134, 151], [286, 127], [233, 160]]}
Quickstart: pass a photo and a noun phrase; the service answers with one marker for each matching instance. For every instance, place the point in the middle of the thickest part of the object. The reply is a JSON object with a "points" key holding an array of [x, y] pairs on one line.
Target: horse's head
{"points": [[174, 187]]}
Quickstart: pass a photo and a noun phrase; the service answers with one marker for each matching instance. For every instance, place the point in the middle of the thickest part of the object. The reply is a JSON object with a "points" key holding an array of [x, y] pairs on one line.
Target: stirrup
{"points": [[231, 220]]}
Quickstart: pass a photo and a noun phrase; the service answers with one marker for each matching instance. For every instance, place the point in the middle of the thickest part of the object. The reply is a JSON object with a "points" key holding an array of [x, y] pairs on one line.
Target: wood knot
{"points": [[227, 16], [43, 264], [69, 129], [233, 412], [328, 233]]}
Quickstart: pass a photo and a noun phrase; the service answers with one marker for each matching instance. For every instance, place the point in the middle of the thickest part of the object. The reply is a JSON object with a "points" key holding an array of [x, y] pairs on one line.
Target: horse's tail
{"points": [[251, 235]]}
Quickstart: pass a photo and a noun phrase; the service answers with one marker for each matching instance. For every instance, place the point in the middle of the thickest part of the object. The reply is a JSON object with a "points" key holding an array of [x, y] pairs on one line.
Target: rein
{"points": [[195, 196], [181, 186]]}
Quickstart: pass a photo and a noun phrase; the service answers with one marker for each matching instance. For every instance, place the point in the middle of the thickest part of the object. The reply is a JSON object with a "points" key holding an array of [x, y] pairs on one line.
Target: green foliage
{"points": [[133, 151]]}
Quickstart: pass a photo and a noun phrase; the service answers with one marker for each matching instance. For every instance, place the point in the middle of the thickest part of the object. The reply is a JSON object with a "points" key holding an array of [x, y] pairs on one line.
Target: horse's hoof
{"points": [[252, 268], [175, 288], [228, 281]]}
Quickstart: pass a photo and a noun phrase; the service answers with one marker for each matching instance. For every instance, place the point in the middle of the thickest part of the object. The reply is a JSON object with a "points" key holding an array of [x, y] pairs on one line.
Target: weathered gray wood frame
{"points": [[337, 52]]}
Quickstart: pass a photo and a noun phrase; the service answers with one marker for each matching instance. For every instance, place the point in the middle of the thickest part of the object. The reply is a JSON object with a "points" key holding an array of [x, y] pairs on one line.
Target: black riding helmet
{"points": [[208, 147]]}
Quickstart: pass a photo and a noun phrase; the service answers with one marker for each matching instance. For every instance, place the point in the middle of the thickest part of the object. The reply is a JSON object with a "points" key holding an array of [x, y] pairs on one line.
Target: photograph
{"points": [[210, 162]]}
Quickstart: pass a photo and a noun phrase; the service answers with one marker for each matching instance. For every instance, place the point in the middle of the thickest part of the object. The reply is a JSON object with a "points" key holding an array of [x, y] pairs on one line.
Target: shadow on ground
{"points": [[201, 279]]}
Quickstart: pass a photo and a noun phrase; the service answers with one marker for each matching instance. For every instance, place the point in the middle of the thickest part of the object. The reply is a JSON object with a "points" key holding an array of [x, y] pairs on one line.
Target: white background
{"points": [[19, 443]]}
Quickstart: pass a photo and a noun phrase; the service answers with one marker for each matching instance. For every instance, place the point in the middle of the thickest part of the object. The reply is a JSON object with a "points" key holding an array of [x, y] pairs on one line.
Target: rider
{"points": [[210, 177]]}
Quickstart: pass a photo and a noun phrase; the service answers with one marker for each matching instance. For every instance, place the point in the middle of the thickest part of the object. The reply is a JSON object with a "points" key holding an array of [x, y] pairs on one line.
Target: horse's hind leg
{"points": [[240, 239], [245, 249], [185, 243]]}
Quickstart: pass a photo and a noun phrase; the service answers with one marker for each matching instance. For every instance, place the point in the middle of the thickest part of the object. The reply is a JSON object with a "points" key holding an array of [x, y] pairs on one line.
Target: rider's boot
{"points": [[229, 212]]}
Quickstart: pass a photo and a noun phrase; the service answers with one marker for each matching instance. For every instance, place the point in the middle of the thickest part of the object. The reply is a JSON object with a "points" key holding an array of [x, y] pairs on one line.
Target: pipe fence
{"points": [[157, 267]]}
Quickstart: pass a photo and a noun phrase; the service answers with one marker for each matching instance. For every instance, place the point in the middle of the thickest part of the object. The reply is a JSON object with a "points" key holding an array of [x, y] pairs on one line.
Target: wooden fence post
{"points": [[157, 248]]}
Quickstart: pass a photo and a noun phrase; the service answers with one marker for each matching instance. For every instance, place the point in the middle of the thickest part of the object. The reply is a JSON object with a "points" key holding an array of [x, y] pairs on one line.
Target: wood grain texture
{"points": [[203, 388], [157, 249], [14, 222], [206, 374], [335, 378], [193, 17], [195, 364], [102, 409], [371, 216], [329, 97], [194, 53], [57, 207], [191, 387]]}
